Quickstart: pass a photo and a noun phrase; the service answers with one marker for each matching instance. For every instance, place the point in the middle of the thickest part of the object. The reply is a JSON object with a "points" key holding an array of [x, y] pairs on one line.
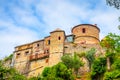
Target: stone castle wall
{"points": [[30, 59], [86, 33]]}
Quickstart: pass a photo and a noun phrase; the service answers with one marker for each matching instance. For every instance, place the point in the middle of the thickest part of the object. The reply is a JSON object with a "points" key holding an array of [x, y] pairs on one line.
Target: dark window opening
{"points": [[48, 42], [18, 55], [84, 47], [59, 38], [38, 45], [83, 30], [27, 52], [47, 51]]}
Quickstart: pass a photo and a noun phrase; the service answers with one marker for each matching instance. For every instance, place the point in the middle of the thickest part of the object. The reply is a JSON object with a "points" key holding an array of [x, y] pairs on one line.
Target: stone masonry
{"points": [[30, 59]]}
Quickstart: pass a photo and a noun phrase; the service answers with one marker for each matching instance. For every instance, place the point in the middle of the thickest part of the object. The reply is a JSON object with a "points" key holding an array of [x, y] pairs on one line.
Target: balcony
{"points": [[39, 56]]}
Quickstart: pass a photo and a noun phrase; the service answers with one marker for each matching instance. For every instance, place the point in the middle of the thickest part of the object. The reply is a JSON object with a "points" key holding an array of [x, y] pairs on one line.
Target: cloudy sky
{"points": [[24, 21]]}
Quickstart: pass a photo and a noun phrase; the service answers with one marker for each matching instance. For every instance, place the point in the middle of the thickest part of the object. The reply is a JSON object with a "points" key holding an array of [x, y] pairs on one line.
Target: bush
{"points": [[57, 72], [98, 67]]}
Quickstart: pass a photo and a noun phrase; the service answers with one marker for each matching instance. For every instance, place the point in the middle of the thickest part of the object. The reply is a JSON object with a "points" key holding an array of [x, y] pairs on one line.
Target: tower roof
{"points": [[95, 25], [57, 30]]}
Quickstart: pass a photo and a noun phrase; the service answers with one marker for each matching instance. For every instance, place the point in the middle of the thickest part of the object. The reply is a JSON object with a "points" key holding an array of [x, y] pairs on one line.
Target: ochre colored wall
{"points": [[37, 66], [82, 42], [57, 39], [90, 30], [56, 45], [38, 47], [46, 44], [20, 61], [86, 40]]}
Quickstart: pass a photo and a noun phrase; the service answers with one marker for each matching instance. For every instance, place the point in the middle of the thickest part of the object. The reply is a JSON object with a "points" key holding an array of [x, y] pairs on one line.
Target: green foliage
{"points": [[10, 73], [108, 42], [18, 76], [115, 3], [90, 56], [112, 44], [98, 67], [114, 75], [8, 58], [47, 70], [72, 62], [82, 54], [116, 64], [35, 78], [57, 72], [77, 62], [109, 54], [115, 72], [68, 61]]}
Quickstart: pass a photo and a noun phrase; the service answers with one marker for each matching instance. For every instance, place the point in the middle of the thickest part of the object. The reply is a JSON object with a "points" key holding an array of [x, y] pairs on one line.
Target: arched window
{"points": [[83, 30]]}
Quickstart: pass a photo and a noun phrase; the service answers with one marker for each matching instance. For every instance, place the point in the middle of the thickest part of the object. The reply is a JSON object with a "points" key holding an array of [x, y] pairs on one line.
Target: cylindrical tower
{"points": [[86, 34]]}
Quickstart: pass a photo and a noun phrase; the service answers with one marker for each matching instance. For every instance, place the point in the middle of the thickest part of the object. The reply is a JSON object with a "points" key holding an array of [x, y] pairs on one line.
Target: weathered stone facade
{"points": [[30, 59]]}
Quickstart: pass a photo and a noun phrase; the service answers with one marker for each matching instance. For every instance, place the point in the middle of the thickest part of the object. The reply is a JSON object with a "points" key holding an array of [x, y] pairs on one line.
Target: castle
{"points": [[30, 59]]}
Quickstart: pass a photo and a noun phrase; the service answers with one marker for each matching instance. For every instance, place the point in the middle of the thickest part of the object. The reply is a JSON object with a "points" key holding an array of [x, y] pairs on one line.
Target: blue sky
{"points": [[24, 21]]}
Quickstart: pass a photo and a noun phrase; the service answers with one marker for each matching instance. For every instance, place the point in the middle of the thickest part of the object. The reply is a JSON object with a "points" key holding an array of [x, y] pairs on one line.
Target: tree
{"points": [[35, 78], [46, 72], [115, 3], [57, 72], [72, 62], [77, 63], [90, 56], [68, 61], [98, 68], [8, 57], [114, 75], [112, 45], [9, 73]]}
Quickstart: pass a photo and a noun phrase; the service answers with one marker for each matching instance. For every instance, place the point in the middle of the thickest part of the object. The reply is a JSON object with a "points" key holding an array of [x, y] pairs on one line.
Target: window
{"points": [[48, 42], [59, 38], [47, 51], [83, 30], [17, 55], [27, 52], [70, 38], [38, 45]]}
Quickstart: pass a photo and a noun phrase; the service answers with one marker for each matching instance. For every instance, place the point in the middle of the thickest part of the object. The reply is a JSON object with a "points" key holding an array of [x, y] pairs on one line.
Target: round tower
{"points": [[86, 34]]}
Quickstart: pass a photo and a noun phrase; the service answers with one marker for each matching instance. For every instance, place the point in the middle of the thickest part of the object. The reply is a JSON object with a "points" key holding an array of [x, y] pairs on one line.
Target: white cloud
{"points": [[13, 36], [107, 21], [61, 14], [65, 15]]}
